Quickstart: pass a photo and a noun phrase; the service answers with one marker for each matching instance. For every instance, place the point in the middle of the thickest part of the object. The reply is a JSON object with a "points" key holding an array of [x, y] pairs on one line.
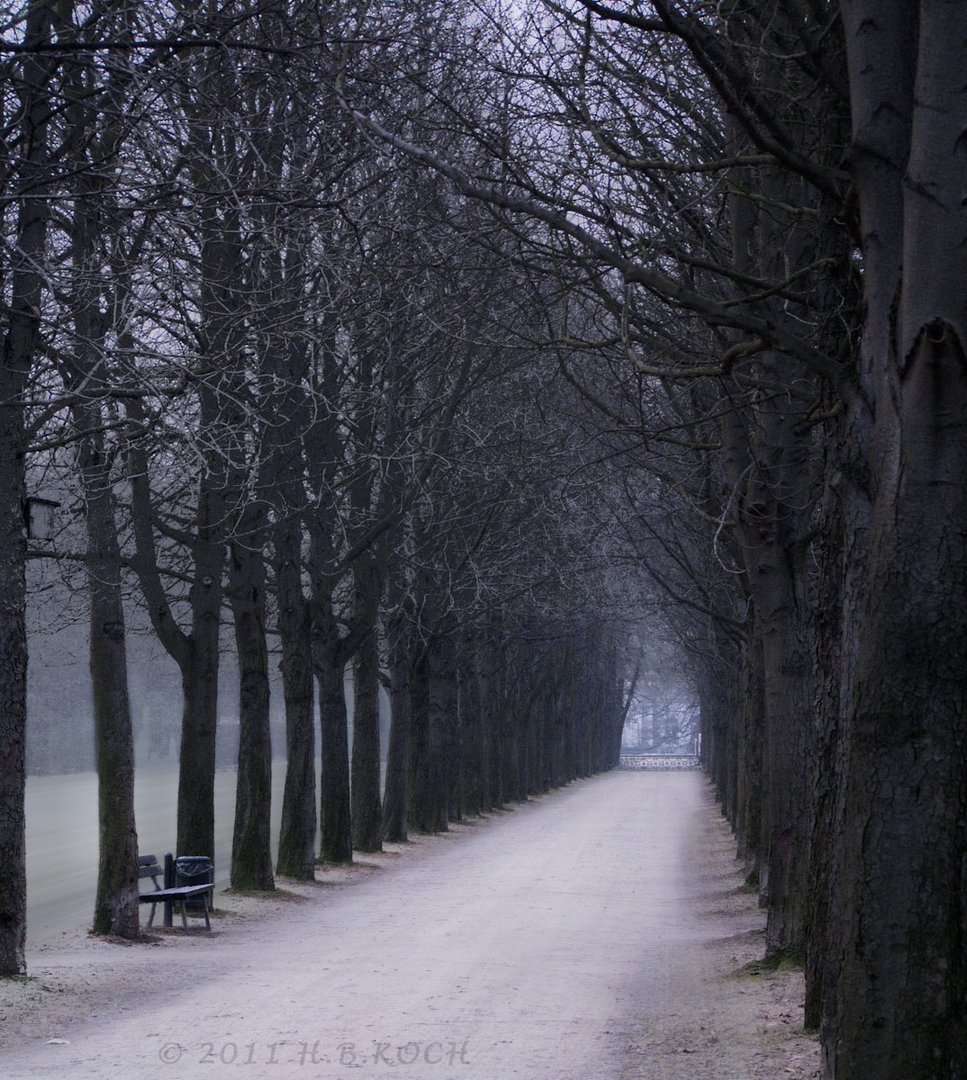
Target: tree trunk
{"points": [[87, 378], [13, 674], [196, 765], [901, 872], [749, 797], [196, 775], [472, 757], [509, 728], [491, 794], [334, 815], [251, 836], [842, 575], [432, 705], [19, 345], [903, 973], [396, 797], [116, 903], [420, 815], [569, 709], [297, 835], [788, 701], [366, 805], [442, 719], [196, 653]]}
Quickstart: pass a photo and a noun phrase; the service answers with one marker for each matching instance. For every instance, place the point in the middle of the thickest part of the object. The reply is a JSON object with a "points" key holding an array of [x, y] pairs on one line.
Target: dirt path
{"points": [[589, 935]]}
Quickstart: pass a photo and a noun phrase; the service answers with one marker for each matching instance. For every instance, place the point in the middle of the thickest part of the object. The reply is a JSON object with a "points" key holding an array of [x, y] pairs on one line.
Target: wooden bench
{"points": [[148, 866]]}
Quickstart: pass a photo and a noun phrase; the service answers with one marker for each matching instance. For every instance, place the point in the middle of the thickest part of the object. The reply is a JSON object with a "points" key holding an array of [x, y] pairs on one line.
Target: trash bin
{"points": [[194, 870]]}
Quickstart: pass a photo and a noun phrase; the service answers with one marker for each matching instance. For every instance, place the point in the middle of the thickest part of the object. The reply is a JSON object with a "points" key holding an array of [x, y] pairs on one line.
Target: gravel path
{"points": [[593, 934]]}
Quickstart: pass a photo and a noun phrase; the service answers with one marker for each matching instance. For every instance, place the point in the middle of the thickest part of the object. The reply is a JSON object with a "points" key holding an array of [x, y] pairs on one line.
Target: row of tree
{"points": [[470, 322], [756, 211], [280, 385]]}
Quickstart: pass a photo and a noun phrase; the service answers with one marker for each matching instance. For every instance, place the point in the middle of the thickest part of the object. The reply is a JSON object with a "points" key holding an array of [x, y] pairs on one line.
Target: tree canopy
{"points": [[493, 351]]}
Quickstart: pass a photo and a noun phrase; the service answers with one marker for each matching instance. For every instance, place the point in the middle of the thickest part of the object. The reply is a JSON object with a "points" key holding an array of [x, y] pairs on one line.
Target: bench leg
{"points": [[181, 903]]}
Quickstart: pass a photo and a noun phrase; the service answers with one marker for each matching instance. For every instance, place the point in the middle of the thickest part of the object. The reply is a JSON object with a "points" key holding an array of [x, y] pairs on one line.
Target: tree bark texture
{"points": [[297, 833], [366, 803], [334, 813], [116, 902], [195, 652], [285, 489], [442, 721], [251, 840], [396, 795], [13, 672], [86, 376], [19, 345], [472, 753], [421, 816], [196, 777], [195, 831], [774, 473], [902, 963]]}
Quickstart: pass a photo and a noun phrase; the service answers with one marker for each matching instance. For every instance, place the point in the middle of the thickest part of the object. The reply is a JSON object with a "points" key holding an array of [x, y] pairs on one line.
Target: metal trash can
{"points": [[194, 870]]}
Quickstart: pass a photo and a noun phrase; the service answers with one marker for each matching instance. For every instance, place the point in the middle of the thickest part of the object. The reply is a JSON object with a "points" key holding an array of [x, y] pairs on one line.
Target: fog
{"points": [[60, 716], [62, 839]]}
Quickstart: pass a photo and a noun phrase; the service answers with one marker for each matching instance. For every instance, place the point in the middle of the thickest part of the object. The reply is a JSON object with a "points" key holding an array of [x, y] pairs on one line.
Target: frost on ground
{"points": [[598, 933], [749, 1026]]}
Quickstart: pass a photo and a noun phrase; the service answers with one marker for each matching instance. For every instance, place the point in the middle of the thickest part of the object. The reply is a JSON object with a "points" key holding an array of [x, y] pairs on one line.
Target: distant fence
{"points": [[631, 759]]}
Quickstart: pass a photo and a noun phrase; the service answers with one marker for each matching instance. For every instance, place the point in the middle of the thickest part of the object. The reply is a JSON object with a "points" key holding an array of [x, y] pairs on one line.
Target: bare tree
{"points": [[26, 89], [95, 102]]}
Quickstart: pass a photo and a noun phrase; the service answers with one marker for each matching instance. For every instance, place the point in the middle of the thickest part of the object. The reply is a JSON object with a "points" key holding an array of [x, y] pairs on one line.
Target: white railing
{"points": [[631, 759]]}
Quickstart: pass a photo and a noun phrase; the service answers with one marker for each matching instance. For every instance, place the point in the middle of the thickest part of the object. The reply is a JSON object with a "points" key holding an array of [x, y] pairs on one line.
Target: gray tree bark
{"points": [[116, 902], [251, 837], [366, 803], [902, 974], [396, 797], [195, 652], [334, 814], [93, 112], [19, 345]]}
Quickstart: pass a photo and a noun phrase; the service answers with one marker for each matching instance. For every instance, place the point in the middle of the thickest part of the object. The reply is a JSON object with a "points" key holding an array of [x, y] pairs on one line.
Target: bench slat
{"points": [[168, 894]]}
